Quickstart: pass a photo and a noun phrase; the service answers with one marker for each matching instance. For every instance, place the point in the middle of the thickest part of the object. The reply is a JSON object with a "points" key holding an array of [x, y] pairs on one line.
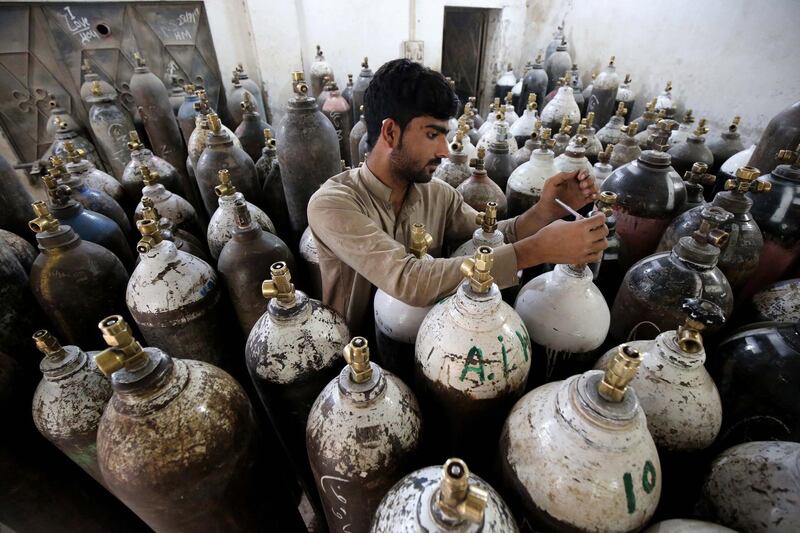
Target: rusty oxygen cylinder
{"points": [[238, 94], [17, 201], [178, 443], [172, 206], [692, 150], [359, 130], [473, 355], [152, 101], [293, 351], [479, 189], [308, 152], [782, 132], [65, 133], [222, 224], [131, 178], [89, 77], [89, 225], [589, 426], [176, 94], [58, 113], [69, 401], [90, 198], [110, 124], [93, 177], [443, 499], [269, 175], [22, 250], [220, 153], [251, 129], [310, 254], [19, 312], [74, 281], [261, 98], [360, 87], [318, 70], [366, 440], [184, 241], [338, 112], [202, 131], [175, 299], [241, 264]]}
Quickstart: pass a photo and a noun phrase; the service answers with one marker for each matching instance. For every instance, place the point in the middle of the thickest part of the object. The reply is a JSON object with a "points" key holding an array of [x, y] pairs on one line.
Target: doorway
{"points": [[463, 44]]}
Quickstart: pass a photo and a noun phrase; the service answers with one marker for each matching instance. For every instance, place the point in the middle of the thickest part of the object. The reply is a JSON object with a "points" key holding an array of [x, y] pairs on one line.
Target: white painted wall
{"points": [[724, 57]]}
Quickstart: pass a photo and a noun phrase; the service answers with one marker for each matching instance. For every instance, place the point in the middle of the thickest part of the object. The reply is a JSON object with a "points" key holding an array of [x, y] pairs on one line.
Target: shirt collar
{"points": [[383, 192]]}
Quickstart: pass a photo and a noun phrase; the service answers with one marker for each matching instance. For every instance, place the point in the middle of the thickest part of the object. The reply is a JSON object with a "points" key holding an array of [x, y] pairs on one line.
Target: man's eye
{"points": [[432, 135]]}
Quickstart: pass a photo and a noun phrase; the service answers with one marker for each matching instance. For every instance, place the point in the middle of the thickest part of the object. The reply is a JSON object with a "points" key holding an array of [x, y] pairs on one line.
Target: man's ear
{"points": [[390, 132]]}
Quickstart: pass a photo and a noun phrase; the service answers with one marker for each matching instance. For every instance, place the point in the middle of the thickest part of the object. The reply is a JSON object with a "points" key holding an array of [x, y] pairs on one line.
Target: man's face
{"points": [[422, 146]]}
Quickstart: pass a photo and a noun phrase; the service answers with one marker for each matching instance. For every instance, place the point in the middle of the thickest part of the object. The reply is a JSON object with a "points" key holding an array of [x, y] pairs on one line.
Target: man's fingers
{"points": [[561, 177]]}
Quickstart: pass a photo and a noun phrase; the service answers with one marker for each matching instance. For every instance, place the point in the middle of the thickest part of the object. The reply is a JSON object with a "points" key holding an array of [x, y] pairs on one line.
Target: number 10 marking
{"points": [[648, 484]]}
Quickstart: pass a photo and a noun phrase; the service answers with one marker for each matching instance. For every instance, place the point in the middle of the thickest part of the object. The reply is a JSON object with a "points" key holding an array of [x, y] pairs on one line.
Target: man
{"points": [[362, 218]]}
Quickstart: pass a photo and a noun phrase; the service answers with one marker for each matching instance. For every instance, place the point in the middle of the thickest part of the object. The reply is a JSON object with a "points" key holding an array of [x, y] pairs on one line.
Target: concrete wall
{"points": [[724, 57]]}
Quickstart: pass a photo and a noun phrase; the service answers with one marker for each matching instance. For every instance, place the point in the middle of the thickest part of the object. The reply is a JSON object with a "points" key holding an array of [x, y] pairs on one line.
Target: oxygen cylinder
{"points": [[783, 131], [305, 166], [251, 129], [221, 153], [603, 169], [478, 189], [187, 113], [505, 83], [338, 112], [593, 144], [22, 250], [132, 180], [178, 443], [65, 133], [238, 95], [574, 157], [680, 525], [664, 101], [171, 206], [359, 130], [614, 130], [535, 82], [589, 427], [684, 129], [558, 36], [563, 106], [16, 200], [558, 66], [442, 498], [626, 96], [498, 162], [522, 129], [152, 101], [93, 177], [692, 150], [269, 175], [58, 113], [241, 264], [222, 223], [184, 241], [511, 115], [310, 255], [626, 149], [110, 124], [174, 297], [498, 131], [396, 322], [649, 195], [455, 169], [318, 70], [608, 273], [779, 302], [347, 94], [19, 312], [366, 440], [604, 94], [649, 300], [771, 470], [726, 145], [360, 87], [526, 182], [648, 117], [73, 280], [740, 256], [69, 401], [523, 155], [473, 355], [293, 351], [261, 98], [202, 131]]}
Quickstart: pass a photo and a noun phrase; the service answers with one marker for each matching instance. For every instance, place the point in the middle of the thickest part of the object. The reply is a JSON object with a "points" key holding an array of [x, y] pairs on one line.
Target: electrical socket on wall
{"points": [[414, 50]]}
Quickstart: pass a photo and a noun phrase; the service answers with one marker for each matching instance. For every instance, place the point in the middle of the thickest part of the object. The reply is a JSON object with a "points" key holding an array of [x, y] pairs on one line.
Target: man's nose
{"points": [[442, 147]]}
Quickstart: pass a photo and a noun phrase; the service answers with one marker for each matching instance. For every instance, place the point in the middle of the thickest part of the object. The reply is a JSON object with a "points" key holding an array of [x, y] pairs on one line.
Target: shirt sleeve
{"points": [[337, 221]]}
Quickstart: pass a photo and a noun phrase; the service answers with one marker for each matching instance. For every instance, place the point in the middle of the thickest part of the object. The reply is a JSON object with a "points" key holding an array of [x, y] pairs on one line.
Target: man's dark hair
{"points": [[402, 90]]}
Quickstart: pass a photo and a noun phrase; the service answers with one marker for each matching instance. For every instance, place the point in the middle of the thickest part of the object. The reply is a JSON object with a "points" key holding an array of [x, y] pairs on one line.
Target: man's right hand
{"points": [[565, 243]]}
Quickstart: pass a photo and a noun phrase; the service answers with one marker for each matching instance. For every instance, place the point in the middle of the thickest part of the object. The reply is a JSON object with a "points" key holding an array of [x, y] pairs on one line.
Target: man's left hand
{"points": [[576, 189]]}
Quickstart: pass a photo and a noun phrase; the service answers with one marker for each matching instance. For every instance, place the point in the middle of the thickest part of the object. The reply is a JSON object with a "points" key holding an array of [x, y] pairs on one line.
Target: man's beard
{"points": [[405, 168]]}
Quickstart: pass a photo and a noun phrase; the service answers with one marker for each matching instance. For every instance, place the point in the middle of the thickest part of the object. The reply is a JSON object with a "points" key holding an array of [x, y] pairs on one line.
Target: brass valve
{"points": [[299, 85], [149, 210], [96, 89], [668, 87], [791, 157], [457, 145], [619, 373], [479, 270], [660, 139], [123, 350], [269, 141], [699, 315], [538, 59], [500, 115], [699, 175], [349, 79], [734, 124], [621, 110], [589, 118], [709, 231], [627, 79], [44, 221], [580, 139], [151, 236], [746, 181], [688, 118], [56, 168], [139, 60], [458, 499], [149, 177], [545, 134], [356, 354], [509, 97], [225, 187], [565, 126], [488, 219], [532, 101], [48, 344], [365, 63], [605, 202], [235, 79], [701, 128], [605, 155], [247, 104], [214, 123], [239, 69], [133, 141], [611, 61], [477, 163], [61, 124], [280, 285], [420, 241], [567, 79], [189, 88], [241, 214], [74, 155], [86, 67]]}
